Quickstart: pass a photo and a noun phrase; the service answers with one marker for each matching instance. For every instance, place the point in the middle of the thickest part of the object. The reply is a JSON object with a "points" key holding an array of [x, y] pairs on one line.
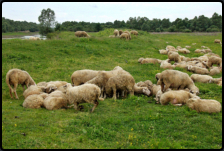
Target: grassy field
{"points": [[124, 123]]}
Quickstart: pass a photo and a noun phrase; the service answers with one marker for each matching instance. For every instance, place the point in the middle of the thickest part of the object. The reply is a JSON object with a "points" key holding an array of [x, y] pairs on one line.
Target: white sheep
{"points": [[176, 97], [215, 70], [204, 105], [129, 34], [218, 41], [33, 89], [34, 101], [184, 50], [201, 78], [200, 51], [17, 76], [163, 51], [193, 43], [166, 65], [197, 70], [187, 47], [177, 80], [150, 60], [134, 32], [116, 33], [86, 93], [125, 35], [170, 48], [140, 60], [178, 47], [182, 64], [81, 34], [141, 90], [214, 60], [111, 36], [174, 56]]}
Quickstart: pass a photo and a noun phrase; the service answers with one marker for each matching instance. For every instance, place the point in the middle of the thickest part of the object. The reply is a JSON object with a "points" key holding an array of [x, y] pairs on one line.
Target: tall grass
{"points": [[124, 123]]}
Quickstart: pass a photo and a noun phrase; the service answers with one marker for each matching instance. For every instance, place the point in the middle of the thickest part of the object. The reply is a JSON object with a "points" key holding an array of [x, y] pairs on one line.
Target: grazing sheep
{"points": [[34, 101], [200, 51], [129, 34], [170, 48], [166, 65], [184, 50], [134, 32], [81, 34], [204, 105], [124, 35], [177, 80], [86, 93], [197, 70], [201, 78], [150, 60], [214, 60], [140, 59], [120, 32], [217, 41], [176, 97], [215, 70], [174, 56], [17, 76], [116, 33], [141, 90], [81, 76], [124, 82], [33, 89], [163, 51], [55, 100], [187, 47]]}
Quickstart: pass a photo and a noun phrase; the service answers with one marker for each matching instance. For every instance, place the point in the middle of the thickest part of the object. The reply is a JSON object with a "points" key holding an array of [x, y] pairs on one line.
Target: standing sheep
{"points": [[129, 34], [81, 34], [177, 80], [204, 105], [217, 41], [174, 56], [124, 35], [17, 76], [86, 93], [116, 33]]}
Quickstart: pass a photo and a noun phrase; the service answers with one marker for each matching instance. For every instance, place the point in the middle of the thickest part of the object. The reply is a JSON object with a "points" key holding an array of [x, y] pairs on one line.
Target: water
{"points": [[28, 37]]}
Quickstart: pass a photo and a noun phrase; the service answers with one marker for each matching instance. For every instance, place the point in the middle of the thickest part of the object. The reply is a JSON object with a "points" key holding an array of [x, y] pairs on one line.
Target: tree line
{"points": [[197, 24]]}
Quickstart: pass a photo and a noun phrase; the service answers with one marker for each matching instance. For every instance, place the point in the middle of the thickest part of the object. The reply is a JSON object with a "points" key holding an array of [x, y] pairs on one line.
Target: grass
{"points": [[124, 123]]}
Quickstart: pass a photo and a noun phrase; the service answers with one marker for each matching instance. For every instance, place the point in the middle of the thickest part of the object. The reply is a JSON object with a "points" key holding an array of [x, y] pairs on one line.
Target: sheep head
{"points": [[146, 91], [194, 90]]}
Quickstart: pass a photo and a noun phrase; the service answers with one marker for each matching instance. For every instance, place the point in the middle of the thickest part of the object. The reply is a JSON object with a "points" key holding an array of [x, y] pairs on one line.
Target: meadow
{"points": [[125, 123]]}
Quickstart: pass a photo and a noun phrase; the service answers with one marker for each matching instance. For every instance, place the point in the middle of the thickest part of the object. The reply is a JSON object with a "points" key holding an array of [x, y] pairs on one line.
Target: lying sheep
{"points": [[201, 78], [217, 80], [158, 95], [111, 36], [197, 70], [140, 59], [218, 41], [141, 90], [204, 105], [183, 58], [125, 35], [220, 83], [81, 34], [178, 47], [187, 47], [200, 51], [176, 97], [81, 76], [86, 93], [164, 52], [134, 32], [203, 47], [44, 83], [215, 70], [116, 33], [123, 82], [177, 80], [33, 89], [166, 65], [193, 43], [54, 85], [150, 60], [201, 58], [208, 50], [146, 83], [174, 56], [170, 48], [182, 64], [184, 50], [17, 76], [214, 60], [34, 101], [55, 100]]}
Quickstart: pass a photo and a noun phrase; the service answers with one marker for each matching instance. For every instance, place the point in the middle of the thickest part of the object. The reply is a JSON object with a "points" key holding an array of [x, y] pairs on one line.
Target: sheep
{"points": [[200, 51], [197, 64], [176, 97], [203, 47], [174, 56], [54, 85], [187, 47], [170, 48], [17, 76], [215, 70], [44, 83], [184, 50], [201, 58], [197, 70], [201, 78], [150, 60], [33, 89], [140, 59], [81, 76], [34, 101], [158, 95], [208, 50], [55, 100], [214, 60], [183, 58], [219, 83], [157, 76], [176, 79], [86, 93], [193, 43], [146, 83], [134, 32], [111, 36], [81, 34], [128, 34], [217, 80], [210, 54], [204, 105], [123, 81], [166, 65], [34, 38], [116, 33], [124, 35], [182, 64], [218, 41], [120, 32], [141, 90], [164, 52], [178, 47]]}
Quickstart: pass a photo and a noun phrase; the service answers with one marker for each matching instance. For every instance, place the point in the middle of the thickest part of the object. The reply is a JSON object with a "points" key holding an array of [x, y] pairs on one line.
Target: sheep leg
{"points": [[95, 105], [10, 93], [15, 86], [23, 88], [114, 93], [162, 87], [76, 105], [166, 87]]}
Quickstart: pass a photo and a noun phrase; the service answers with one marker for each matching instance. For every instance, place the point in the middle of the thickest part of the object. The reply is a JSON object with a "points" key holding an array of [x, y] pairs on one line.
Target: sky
{"points": [[103, 12]]}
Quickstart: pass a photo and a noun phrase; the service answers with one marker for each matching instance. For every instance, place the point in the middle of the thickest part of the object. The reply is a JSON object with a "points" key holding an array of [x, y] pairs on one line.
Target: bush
{"points": [[187, 30], [157, 30]]}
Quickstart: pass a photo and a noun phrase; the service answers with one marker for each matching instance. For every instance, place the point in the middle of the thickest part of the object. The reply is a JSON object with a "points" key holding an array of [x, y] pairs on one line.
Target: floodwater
{"points": [[28, 37]]}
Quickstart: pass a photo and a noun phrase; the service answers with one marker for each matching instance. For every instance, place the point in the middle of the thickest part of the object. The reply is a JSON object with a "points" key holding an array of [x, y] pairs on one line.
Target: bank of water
{"points": [[28, 37]]}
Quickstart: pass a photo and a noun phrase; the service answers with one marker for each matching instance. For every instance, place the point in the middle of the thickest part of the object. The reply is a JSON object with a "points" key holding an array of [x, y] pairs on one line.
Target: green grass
{"points": [[124, 123]]}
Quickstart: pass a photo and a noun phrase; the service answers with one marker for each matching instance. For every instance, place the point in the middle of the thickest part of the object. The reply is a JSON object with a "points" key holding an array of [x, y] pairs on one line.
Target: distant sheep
{"points": [[134, 32], [187, 47], [170, 48], [128, 34], [208, 50], [120, 32], [17, 76], [116, 33], [218, 41], [197, 70], [217, 80], [193, 43], [140, 60], [204, 105], [166, 65], [201, 78], [174, 56], [184, 50], [150, 60], [178, 47], [163, 51], [111, 36], [183, 58], [215, 70], [125, 35], [34, 38], [34, 101], [200, 51], [81, 34]]}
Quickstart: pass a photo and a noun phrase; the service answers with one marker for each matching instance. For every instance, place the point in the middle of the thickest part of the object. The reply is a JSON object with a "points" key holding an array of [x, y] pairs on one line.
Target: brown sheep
{"points": [[120, 32], [81, 34], [134, 32], [128, 34], [125, 35], [214, 60], [17, 76], [217, 41]]}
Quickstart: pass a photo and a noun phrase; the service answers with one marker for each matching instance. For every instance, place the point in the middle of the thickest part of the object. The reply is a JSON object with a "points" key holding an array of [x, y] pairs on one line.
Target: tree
{"points": [[47, 21], [145, 27], [98, 27], [58, 27]]}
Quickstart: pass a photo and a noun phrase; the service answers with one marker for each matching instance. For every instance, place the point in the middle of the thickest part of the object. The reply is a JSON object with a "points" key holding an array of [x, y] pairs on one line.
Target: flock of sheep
{"points": [[89, 86]]}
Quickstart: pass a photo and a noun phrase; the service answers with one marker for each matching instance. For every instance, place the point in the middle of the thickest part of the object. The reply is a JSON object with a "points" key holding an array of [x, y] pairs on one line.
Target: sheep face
{"points": [[194, 90], [146, 91]]}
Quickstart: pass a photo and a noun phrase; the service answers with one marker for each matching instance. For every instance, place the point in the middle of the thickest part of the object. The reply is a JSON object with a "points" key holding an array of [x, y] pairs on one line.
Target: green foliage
{"points": [[186, 30], [98, 27]]}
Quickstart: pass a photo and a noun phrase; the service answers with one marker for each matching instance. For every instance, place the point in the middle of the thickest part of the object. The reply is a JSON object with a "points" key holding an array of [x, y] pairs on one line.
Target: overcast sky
{"points": [[109, 11]]}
